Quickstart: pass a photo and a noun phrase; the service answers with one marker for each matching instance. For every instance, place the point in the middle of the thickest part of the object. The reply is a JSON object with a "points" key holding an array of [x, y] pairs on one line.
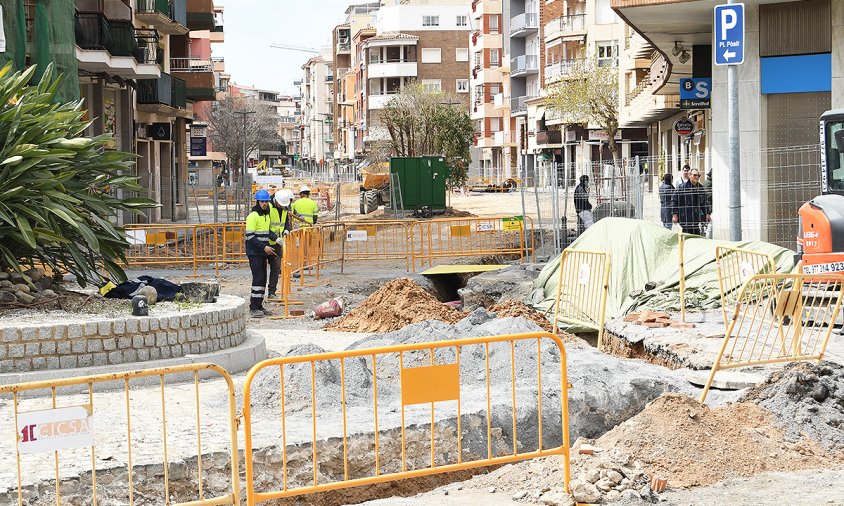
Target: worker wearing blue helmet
{"points": [[259, 233]]}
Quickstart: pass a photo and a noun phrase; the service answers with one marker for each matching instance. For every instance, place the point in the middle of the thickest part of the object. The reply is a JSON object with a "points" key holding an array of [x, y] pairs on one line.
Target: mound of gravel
{"points": [[806, 399]]}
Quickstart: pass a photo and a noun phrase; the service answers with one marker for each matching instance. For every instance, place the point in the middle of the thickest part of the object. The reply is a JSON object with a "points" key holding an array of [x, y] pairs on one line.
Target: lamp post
{"points": [[243, 114]]}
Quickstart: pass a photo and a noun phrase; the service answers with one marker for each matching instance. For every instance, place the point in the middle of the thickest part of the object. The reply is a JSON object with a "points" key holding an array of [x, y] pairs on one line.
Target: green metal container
{"points": [[422, 181]]}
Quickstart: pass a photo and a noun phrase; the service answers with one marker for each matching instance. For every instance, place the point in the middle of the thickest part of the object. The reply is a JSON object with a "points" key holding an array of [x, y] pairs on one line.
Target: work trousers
{"points": [[275, 269], [258, 266]]}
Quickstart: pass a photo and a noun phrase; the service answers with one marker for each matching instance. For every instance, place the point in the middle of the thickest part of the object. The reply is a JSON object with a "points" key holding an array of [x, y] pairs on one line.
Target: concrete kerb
{"points": [[234, 360]]}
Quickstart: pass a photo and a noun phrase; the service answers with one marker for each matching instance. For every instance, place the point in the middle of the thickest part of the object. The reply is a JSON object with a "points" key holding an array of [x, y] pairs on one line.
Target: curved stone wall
{"points": [[85, 341]]}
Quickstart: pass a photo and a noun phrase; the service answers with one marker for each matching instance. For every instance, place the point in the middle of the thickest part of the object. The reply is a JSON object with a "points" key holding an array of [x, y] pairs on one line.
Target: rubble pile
{"points": [[33, 286], [393, 306], [689, 444], [806, 399], [513, 308], [656, 320]]}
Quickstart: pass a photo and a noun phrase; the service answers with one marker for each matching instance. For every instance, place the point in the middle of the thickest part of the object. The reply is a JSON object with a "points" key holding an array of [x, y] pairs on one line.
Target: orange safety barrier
{"points": [[370, 241], [161, 245], [62, 425], [405, 380], [470, 237]]}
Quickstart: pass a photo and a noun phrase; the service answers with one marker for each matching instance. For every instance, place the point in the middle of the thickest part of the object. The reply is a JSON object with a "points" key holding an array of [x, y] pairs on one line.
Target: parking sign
{"points": [[729, 34]]}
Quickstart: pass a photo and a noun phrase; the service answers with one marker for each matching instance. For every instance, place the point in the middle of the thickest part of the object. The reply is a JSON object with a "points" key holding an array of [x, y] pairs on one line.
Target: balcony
{"points": [[566, 26], [165, 91], [392, 68], [198, 75], [505, 138], [562, 70], [380, 100], [549, 137], [524, 65], [115, 47], [168, 16], [518, 105], [524, 24], [481, 7], [218, 63], [642, 105], [499, 101], [200, 14], [218, 33], [344, 46]]}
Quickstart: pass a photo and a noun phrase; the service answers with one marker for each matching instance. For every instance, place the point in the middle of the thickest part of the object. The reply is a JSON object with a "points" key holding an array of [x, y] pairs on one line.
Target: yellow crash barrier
{"points": [[735, 267], [62, 427], [780, 318], [407, 381], [582, 288]]}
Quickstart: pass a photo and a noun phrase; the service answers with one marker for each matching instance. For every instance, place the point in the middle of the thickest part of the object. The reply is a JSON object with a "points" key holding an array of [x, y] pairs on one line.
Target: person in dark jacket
{"points": [[666, 197], [582, 206], [690, 205]]}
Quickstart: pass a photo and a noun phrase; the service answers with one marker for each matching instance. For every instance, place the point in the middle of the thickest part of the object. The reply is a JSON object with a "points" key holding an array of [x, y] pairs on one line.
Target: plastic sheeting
{"points": [[642, 252]]}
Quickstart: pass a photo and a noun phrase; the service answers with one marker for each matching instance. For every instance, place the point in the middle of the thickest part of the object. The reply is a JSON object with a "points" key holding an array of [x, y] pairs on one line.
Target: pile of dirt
{"points": [[689, 444], [395, 305], [806, 399], [514, 308]]}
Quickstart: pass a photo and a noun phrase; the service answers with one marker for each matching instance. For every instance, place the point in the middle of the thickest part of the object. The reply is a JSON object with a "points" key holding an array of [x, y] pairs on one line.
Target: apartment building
{"points": [[522, 28], [415, 41], [344, 52], [489, 84], [358, 96], [317, 120], [574, 34]]}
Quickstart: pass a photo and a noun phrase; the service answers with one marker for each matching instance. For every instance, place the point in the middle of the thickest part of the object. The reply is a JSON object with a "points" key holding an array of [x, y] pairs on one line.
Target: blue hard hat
{"points": [[262, 196]]}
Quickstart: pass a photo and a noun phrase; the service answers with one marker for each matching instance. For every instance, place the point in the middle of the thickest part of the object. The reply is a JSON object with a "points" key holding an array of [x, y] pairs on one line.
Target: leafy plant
{"points": [[59, 190]]}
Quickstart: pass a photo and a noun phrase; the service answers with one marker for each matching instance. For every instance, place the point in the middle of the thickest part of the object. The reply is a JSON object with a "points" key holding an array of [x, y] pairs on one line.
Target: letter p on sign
{"points": [[728, 22]]}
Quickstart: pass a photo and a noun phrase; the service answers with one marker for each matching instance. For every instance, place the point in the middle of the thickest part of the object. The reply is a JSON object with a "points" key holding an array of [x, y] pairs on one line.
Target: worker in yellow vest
{"points": [[258, 250], [281, 225], [305, 208]]}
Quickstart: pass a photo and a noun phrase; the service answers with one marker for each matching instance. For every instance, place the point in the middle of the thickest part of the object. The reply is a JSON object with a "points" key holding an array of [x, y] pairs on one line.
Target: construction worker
{"points": [[305, 208], [258, 250], [281, 225]]}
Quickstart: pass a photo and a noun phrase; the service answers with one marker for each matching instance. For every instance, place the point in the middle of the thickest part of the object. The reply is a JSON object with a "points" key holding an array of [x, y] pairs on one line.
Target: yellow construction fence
{"points": [[582, 288]]}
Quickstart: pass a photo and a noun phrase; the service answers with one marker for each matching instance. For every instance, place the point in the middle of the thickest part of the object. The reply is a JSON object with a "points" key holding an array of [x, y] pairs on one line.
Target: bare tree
{"points": [[422, 122], [589, 95], [227, 133]]}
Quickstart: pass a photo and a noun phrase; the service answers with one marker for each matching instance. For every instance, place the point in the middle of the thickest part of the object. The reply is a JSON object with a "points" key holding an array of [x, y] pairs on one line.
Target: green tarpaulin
{"points": [[641, 252]]}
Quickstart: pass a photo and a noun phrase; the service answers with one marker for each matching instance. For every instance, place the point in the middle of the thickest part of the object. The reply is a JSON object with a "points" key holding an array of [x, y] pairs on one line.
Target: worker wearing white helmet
{"points": [[281, 224], [305, 208]]}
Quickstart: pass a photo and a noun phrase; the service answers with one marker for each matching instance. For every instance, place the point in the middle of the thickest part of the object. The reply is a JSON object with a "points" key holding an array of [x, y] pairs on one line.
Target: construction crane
{"points": [[296, 48]]}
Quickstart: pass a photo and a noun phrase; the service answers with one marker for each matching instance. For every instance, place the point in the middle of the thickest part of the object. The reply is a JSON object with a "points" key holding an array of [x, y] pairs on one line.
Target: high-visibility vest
{"points": [[277, 222], [306, 208], [257, 227]]}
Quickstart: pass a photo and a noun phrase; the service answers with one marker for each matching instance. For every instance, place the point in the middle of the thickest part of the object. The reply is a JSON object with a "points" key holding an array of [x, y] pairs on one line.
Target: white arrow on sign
{"points": [[729, 54]]}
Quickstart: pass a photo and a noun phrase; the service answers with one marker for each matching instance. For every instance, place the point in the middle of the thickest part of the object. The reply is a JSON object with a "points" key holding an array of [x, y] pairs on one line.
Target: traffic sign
{"points": [[695, 93], [729, 34]]}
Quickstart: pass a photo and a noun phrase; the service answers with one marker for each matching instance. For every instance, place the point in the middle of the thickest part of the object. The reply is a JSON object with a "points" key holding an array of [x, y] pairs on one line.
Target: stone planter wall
{"points": [[77, 343]]}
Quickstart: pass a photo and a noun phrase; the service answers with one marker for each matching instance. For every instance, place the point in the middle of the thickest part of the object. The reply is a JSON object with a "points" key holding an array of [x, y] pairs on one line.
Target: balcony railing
{"points": [[344, 46], [524, 23], [166, 90], [176, 10], [560, 70], [525, 64], [190, 65], [564, 25], [544, 137], [518, 104], [119, 38]]}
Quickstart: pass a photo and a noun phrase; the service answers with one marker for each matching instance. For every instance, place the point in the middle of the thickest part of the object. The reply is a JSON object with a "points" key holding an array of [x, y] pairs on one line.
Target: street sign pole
{"points": [[729, 51]]}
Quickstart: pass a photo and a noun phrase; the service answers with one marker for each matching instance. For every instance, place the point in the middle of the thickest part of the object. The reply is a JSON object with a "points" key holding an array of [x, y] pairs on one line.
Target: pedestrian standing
{"points": [[305, 208], [258, 251], [684, 175], [707, 187], [582, 206], [689, 206], [666, 199], [280, 225]]}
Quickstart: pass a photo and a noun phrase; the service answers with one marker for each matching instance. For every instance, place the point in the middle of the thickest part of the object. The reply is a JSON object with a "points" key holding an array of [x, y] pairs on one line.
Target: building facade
{"points": [[317, 120]]}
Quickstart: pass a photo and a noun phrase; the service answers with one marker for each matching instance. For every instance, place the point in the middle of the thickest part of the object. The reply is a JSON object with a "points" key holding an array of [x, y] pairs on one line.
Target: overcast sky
{"points": [[252, 25]]}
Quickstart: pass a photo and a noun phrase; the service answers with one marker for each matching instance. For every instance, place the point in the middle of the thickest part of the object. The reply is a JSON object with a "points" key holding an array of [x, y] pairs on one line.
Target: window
{"points": [[493, 23], [462, 20], [431, 55], [607, 53], [461, 54], [432, 84], [462, 86], [494, 57], [430, 21]]}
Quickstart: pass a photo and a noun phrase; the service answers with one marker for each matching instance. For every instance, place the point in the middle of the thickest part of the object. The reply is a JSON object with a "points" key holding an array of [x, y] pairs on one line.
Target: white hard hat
{"points": [[283, 197], [304, 189]]}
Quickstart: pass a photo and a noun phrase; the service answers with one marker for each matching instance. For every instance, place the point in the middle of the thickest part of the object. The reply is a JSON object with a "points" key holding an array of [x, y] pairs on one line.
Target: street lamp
{"points": [[243, 114]]}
